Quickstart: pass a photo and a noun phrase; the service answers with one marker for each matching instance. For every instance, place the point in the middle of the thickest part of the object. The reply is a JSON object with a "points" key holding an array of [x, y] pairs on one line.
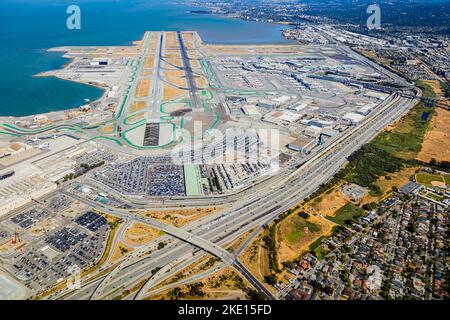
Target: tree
{"points": [[253, 294], [175, 293], [346, 248], [270, 279], [195, 289], [155, 270], [370, 206], [303, 215]]}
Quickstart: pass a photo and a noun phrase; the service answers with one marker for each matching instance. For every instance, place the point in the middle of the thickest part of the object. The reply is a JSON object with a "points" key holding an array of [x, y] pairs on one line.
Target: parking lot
{"points": [[29, 218], [91, 221], [154, 176], [79, 243]]}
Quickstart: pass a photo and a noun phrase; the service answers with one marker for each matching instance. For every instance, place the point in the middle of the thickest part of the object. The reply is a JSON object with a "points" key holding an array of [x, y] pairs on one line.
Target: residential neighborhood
{"points": [[398, 250]]}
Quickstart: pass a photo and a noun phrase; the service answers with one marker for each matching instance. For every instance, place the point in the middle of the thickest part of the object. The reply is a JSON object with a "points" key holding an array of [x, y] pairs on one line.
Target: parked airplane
{"points": [[43, 146], [35, 139]]}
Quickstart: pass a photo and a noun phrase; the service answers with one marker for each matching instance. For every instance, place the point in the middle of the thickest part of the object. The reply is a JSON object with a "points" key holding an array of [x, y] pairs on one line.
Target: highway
{"points": [[253, 281], [245, 213], [261, 185], [254, 206], [246, 209], [179, 283]]}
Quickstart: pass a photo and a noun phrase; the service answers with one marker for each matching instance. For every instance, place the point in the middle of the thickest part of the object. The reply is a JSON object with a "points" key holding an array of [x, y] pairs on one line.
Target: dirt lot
{"points": [[175, 77], [256, 257], [149, 62], [153, 42], [16, 146], [195, 64], [174, 59], [143, 87], [372, 55], [329, 203], [220, 285], [107, 128], [194, 55], [435, 86], [437, 134], [437, 138], [188, 40], [171, 92], [180, 217], [171, 41], [199, 266], [139, 234], [119, 251], [137, 106], [236, 244], [201, 82]]}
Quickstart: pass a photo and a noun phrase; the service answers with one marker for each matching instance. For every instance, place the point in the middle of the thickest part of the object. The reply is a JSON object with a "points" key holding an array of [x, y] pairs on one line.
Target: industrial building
{"points": [[302, 144], [281, 117], [353, 117]]}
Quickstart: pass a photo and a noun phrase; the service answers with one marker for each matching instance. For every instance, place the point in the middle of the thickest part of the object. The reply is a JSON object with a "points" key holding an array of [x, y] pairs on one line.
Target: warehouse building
{"points": [[302, 144]]}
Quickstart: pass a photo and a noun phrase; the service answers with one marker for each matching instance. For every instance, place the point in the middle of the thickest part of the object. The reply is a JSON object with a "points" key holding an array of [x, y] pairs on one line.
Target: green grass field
{"points": [[319, 253], [346, 214], [406, 139], [427, 179], [447, 179], [316, 243], [298, 229]]}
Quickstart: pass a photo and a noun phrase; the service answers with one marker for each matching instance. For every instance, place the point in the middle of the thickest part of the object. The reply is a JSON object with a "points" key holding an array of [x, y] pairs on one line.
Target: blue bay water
{"points": [[29, 27]]}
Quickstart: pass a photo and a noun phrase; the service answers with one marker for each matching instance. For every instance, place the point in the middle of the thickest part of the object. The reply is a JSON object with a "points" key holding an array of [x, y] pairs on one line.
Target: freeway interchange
{"points": [[259, 206], [245, 210]]}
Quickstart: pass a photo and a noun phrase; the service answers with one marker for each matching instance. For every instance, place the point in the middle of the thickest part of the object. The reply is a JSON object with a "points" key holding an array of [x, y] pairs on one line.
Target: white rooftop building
{"points": [[354, 117]]}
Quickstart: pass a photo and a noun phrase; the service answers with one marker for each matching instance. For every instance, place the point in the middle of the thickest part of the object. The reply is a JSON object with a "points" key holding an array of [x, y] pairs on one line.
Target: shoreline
{"points": [[51, 74], [274, 23], [64, 49], [40, 104]]}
